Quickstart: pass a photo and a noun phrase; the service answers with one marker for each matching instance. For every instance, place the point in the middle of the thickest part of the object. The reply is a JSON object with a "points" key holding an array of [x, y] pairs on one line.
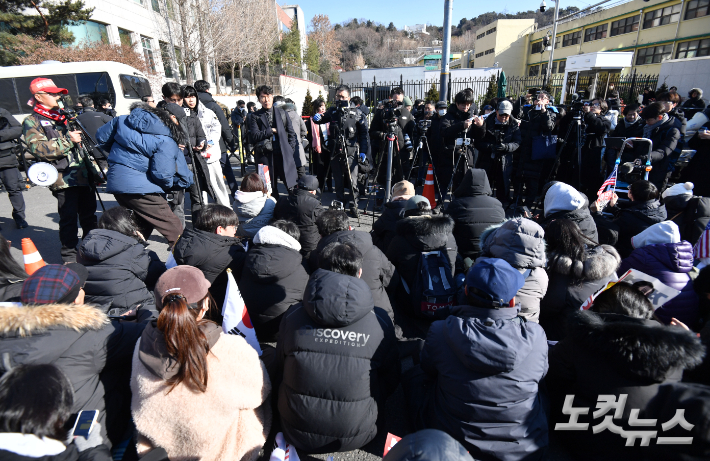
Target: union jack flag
{"points": [[607, 190], [702, 248]]}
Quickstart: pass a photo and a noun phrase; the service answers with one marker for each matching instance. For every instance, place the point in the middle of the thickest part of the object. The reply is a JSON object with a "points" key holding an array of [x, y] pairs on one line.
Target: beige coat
{"points": [[230, 421]]}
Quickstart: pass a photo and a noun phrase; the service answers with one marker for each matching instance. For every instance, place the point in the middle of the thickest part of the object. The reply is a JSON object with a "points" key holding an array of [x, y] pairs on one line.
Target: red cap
{"points": [[45, 85]]}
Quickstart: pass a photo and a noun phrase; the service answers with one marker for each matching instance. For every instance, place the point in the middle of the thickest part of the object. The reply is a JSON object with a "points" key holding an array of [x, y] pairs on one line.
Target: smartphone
{"points": [[85, 422]]}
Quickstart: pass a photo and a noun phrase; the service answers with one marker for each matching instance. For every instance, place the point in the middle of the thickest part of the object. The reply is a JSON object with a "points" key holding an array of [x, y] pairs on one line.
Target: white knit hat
{"points": [[678, 189], [662, 232]]}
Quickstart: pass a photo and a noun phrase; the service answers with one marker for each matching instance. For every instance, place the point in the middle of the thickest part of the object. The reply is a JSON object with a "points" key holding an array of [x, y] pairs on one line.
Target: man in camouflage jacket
{"points": [[49, 139]]}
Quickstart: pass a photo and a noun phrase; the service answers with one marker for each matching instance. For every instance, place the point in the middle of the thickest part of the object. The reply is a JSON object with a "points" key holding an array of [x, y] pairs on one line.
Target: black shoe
{"points": [[21, 223], [354, 211]]}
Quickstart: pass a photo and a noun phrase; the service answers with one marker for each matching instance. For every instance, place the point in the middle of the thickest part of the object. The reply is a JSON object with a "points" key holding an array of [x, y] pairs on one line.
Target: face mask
{"points": [[428, 112], [442, 112], [537, 107]]}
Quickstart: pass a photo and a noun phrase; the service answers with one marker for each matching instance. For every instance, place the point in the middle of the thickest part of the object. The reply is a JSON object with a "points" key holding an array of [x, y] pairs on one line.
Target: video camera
{"points": [[577, 103], [343, 107], [391, 110], [424, 124]]}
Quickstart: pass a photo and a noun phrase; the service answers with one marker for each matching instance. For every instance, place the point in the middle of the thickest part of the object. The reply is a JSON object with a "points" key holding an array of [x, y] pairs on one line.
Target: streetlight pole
{"points": [[552, 42], [446, 50]]}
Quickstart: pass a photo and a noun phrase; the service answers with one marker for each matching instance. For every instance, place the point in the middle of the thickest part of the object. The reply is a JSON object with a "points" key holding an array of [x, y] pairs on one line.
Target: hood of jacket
{"points": [[102, 244], [205, 97], [426, 233], [152, 120], [475, 182], [519, 241], [27, 320], [488, 349], [652, 209], [677, 257], [662, 232], [637, 348], [362, 240], [429, 445], [562, 197], [196, 247], [153, 352], [699, 90], [336, 300], [288, 107], [602, 261], [269, 235], [250, 203]]}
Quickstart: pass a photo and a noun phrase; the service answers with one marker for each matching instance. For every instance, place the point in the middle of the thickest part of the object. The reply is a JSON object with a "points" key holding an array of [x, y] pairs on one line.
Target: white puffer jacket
{"points": [[213, 131]]}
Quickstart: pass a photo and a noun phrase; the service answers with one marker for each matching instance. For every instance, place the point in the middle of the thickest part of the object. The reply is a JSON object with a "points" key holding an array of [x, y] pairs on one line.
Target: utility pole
{"points": [[548, 74], [446, 50]]}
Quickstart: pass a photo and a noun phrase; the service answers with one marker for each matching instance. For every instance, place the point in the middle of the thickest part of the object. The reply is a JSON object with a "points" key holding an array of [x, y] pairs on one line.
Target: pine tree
{"points": [[307, 104], [492, 90], [663, 88], [433, 93], [312, 56]]}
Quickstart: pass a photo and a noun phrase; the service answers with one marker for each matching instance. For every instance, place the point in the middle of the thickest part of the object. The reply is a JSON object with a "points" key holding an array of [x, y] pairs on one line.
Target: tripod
{"points": [[462, 154], [422, 141], [340, 153], [85, 153], [391, 142]]}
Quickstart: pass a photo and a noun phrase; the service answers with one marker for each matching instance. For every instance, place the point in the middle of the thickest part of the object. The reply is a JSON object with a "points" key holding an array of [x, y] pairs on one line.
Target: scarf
{"points": [[628, 124], [315, 129], [648, 129], [50, 113]]}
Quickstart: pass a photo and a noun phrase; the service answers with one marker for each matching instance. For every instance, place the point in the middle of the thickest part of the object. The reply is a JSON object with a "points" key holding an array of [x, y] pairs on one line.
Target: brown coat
{"points": [[230, 421]]}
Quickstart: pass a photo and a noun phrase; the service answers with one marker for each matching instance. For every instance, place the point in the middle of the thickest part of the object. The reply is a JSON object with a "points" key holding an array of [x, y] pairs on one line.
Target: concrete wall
{"points": [[294, 88], [687, 74]]}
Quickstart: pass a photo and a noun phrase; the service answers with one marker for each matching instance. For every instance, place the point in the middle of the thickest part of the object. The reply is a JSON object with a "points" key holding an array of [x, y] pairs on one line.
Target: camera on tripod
{"points": [[577, 104], [424, 124], [343, 107], [463, 141], [391, 110]]}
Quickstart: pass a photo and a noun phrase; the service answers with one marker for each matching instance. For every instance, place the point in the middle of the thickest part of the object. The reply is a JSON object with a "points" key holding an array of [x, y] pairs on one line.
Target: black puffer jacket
{"points": [[415, 235], [540, 123], [452, 129], [486, 140], [473, 211], [699, 165], [612, 354], [632, 220], [377, 270], [119, 268], [213, 254], [273, 280], [301, 208], [571, 283], [339, 363], [77, 338], [384, 229], [10, 132], [665, 137]]}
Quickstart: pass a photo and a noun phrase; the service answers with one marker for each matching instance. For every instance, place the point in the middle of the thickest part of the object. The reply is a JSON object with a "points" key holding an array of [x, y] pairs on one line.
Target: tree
{"points": [[49, 24], [323, 34], [433, 93], [492, 90], [312, 56], [307, 104], [391, 27], [288, 51]]}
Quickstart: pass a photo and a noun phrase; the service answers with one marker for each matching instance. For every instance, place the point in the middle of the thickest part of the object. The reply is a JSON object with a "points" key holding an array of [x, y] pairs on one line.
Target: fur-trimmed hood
{"points": [[699, 90], [636, 348], [30, 319], [138, 120], [602, 261], [426, 233]]}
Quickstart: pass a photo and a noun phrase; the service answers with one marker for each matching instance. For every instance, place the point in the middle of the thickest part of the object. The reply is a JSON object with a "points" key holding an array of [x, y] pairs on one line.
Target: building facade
{"points": [[504, 42], [655, 31]]}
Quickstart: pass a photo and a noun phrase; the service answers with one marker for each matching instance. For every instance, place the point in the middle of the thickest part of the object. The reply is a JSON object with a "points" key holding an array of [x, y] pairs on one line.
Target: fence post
{"points": [[401, 84]]}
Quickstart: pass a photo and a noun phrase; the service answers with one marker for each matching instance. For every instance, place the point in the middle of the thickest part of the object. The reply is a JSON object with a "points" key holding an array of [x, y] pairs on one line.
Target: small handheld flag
{"points": [[236, 317]]}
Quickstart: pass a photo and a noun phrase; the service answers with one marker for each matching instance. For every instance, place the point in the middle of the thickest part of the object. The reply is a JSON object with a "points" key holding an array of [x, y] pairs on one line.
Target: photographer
{"points": [[424, 120], [92, 120], [404, 127], [349, 122], [631, 126], [661, 130], [274, 140], [48, 139], [597, 128], [496, 138], [10, 132], [541, 122], [456, 125]]}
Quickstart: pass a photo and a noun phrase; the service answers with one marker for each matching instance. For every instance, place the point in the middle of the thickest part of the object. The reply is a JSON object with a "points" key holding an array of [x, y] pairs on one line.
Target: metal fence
{"points": [[628, 86]]}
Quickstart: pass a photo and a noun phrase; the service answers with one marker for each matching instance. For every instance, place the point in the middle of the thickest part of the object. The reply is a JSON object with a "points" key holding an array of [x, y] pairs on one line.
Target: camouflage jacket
{"points": [[47, 140]]}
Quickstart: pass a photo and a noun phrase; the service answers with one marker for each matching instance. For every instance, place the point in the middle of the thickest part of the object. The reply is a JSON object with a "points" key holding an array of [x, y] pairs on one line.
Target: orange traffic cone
{"points": [[429, 186], [33, 260]]}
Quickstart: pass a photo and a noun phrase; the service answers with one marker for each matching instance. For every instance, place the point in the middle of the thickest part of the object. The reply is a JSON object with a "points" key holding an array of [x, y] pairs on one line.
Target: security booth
{"points": [[592, 73]]}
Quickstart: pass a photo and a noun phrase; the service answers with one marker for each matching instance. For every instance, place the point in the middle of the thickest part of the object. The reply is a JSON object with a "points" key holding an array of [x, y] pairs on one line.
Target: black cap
{"points": [[308, 182], [174, 109]]}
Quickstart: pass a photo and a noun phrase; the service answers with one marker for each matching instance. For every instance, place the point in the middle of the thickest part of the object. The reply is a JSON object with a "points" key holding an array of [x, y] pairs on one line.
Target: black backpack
{"points": [[434, 287]]}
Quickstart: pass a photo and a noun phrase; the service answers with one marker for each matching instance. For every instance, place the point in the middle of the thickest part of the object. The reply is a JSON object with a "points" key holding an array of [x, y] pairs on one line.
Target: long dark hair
{"points": [[189, 92], [564, 238], [9, 267], [185, 341], [119, 219]]}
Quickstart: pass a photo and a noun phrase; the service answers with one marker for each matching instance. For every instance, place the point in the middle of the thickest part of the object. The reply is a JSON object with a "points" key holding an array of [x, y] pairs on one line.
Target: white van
{"points": [[119, 83]]}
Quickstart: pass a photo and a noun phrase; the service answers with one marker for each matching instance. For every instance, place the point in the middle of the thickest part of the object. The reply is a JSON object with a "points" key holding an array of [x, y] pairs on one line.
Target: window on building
{"points": [[88, 32], [572, 39], [654, 54], [534, 71], [167, 59], [478, 55], [561, 67], [595, 33], [156, 5], [491, 51], [697, 9], [148, 52], [554, 67], [536, 48], [125, 37], [479, 36], [490, 31], [661, 16], [693, 49], [624, 26], [181, 65]]}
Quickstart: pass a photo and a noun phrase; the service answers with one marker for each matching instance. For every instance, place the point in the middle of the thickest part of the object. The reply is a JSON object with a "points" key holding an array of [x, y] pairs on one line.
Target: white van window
{"points": [[134, 87], [9, 100]]}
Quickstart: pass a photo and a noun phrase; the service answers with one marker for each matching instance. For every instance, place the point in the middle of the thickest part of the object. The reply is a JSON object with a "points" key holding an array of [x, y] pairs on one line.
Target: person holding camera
{"points": [[274, 140], [10, 132], [456, 134], [49, 139], [665, 135], [598, 126], [348, 125], [497, 138], [403, 128]]}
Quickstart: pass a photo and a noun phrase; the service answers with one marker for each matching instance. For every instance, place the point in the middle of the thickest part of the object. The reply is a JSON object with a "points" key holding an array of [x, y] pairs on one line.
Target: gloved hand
{"points": [[363, 156], [407, 142], [94, 439], [500, 147], [317, 117]]}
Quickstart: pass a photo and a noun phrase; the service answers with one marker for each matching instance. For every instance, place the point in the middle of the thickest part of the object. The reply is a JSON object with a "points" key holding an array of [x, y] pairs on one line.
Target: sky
{"points": [[410, 12]]}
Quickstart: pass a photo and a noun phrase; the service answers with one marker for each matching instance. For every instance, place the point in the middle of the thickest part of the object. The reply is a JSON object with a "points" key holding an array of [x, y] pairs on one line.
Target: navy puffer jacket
{"points": [[144, 158], [670, 263]]}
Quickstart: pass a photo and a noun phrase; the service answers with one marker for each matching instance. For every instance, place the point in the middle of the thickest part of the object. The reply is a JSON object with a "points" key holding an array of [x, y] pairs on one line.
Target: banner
{"points": [[264, 174], [236, 317]]}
